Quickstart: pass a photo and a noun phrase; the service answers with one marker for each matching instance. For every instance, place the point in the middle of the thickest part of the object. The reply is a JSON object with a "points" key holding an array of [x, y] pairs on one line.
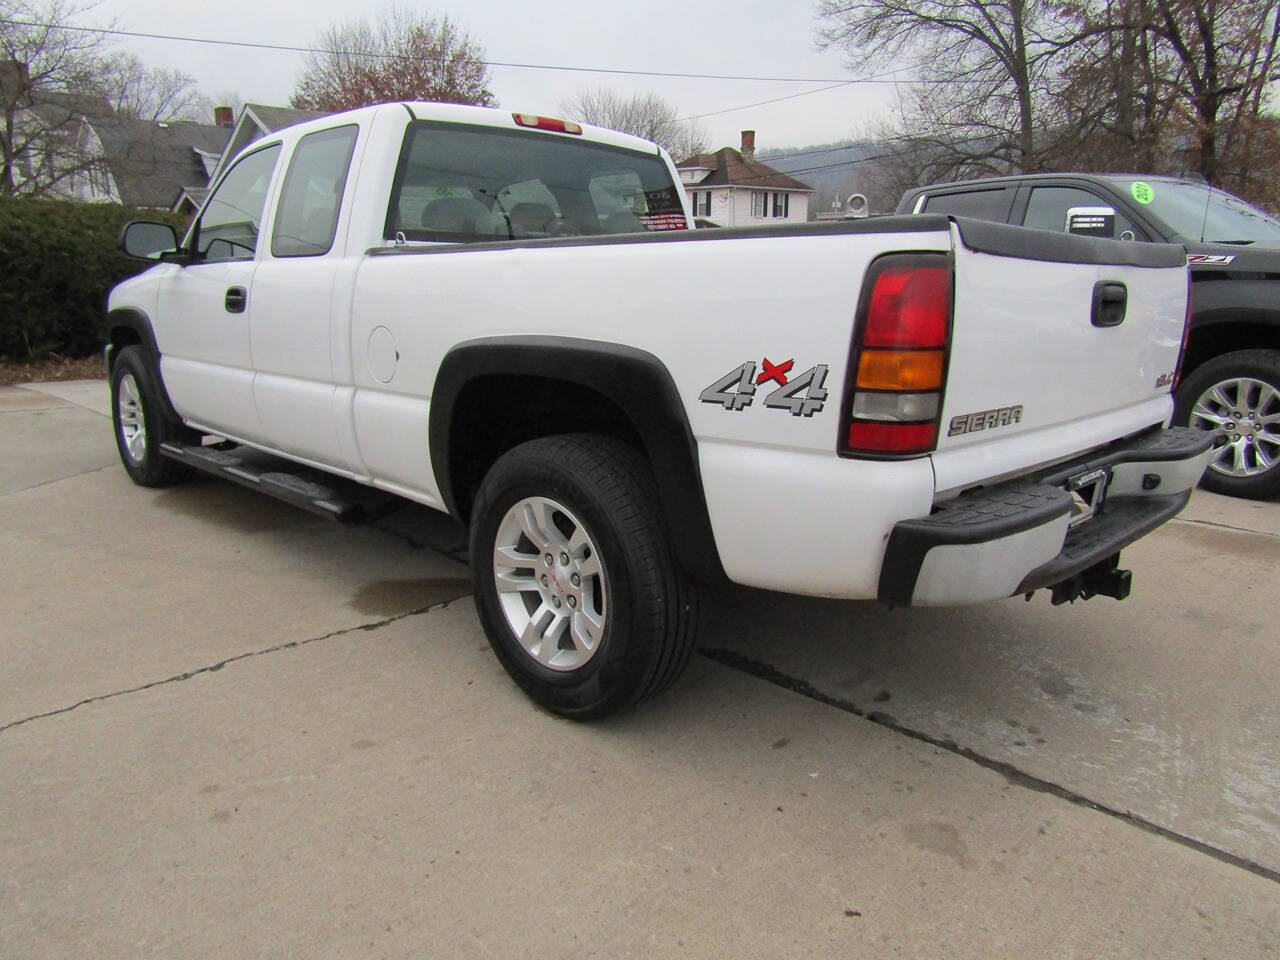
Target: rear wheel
{"points": [[140, 423], [1237, 396], [576, 583]]}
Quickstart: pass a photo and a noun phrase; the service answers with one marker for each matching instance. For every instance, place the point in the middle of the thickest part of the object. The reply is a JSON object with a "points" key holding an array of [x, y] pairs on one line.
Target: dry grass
{"points": [[53, 368]]}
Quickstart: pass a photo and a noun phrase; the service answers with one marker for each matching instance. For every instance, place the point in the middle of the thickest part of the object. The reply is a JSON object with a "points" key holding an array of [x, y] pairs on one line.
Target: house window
{"points": [[779, 210], [759, 203], [702, 203]]}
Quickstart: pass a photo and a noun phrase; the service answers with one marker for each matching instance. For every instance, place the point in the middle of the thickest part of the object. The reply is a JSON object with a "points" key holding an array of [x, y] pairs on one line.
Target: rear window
{"points": [[469, 184], [979, 204]]}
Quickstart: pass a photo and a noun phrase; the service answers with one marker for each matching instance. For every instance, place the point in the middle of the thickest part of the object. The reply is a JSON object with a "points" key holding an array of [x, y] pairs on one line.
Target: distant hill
{"points": [[834, 170]]}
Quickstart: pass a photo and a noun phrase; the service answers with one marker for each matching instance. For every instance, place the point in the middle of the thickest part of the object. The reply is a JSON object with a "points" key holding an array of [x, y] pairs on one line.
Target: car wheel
{"points": [[140, 423], [577, 585], [1237, 396]]}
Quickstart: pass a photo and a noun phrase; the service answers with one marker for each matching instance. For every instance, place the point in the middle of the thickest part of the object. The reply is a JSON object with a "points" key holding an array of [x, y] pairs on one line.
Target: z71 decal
{"points": [[1216, 259], [802, 395]]}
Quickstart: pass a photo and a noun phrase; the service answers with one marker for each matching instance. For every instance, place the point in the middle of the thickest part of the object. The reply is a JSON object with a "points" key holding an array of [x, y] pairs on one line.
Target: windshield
{"points": [[1198, 212]]}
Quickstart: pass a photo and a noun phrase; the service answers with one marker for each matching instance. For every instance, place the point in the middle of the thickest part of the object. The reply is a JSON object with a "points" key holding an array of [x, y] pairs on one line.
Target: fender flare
{"points": [[131, 318], [641, 387]]}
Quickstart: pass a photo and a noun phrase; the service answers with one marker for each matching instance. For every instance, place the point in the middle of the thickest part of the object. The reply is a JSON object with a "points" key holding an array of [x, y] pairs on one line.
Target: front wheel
{"points": [[576, 582], [1237, 396], [140, 422]]}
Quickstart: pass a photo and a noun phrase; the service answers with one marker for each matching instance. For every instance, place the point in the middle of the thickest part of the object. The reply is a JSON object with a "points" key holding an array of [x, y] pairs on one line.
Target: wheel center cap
{"points": [[1244, 428]]}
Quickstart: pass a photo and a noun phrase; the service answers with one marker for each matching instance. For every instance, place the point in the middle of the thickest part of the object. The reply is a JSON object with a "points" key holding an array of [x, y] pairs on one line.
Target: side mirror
{"points": [[145, 240], [1092, 221]]}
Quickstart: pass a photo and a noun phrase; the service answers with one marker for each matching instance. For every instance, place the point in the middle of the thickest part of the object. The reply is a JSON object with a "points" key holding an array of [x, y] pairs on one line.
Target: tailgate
{"points": [[1036, 371]]}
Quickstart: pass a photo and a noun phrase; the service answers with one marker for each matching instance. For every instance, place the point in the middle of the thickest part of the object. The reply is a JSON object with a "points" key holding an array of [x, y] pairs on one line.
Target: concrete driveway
{"points": [[229, 729]]}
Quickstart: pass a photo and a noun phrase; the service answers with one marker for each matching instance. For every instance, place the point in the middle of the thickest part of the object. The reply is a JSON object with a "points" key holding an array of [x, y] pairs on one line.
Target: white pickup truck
{"points": [[506, 317]]}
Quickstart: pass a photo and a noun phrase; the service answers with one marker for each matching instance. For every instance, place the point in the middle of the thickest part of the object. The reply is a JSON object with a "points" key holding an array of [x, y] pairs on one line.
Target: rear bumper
{"points": [[1016, 537]]}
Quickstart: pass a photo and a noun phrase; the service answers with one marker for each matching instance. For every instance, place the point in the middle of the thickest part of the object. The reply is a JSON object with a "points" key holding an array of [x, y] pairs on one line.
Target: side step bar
{"points": [[327, 496]]}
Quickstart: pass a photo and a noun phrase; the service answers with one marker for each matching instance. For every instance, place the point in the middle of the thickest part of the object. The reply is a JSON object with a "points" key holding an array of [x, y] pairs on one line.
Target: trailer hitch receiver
{"points": [[1104, 579]]}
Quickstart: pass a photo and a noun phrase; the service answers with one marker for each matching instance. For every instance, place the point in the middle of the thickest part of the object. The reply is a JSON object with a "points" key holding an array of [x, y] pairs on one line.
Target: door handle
{"points": [[236, 299], [1110, 300]]}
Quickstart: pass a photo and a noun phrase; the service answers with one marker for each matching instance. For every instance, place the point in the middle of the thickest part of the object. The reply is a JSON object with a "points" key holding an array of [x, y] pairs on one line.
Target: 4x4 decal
{"points": [[802, 395]]}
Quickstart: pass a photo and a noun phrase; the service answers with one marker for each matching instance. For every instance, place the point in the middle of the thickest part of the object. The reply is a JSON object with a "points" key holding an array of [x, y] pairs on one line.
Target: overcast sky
{"points": [[742, 37]]}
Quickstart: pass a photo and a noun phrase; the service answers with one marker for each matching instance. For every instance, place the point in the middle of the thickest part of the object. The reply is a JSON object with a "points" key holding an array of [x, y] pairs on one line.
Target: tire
{"points": [[634, 613], [138, 417], [1244, 383]]}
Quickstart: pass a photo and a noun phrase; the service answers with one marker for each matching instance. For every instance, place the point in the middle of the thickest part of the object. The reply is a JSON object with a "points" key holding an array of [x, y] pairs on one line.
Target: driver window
{"points": [[228, 228]]}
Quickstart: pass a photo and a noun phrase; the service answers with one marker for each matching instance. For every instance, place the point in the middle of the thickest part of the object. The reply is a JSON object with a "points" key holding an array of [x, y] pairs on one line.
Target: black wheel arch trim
{"points": [[132, 318], [636, 381]]}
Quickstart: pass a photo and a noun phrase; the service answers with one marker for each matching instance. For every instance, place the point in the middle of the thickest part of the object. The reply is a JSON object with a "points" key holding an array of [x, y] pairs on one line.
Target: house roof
{"points": [[151, 162], [729, 168], [271, 119], [256, 120], [193, 195]]}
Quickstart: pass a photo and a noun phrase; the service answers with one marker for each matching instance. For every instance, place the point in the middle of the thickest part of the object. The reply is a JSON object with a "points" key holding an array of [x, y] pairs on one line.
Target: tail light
{"points": [[898, 366], [1186, 336]]}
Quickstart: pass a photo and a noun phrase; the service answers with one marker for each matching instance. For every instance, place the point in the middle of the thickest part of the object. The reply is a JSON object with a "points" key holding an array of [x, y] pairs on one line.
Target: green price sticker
{"points": [[1142, 192]]}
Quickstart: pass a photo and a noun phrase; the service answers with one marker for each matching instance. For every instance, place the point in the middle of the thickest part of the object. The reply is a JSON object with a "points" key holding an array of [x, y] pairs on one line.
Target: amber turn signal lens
{"points": [[909, 370]]}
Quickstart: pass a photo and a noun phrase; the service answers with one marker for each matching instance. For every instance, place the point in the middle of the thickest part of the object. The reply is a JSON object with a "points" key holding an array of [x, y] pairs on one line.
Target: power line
{"points": [[761, 103], [886, 77], [290, 48]]}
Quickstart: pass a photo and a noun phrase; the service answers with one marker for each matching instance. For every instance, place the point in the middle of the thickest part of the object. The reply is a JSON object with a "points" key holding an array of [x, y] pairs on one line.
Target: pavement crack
{"points": [[215, 667], [49, 483], [1016, 776], [459, 554]]}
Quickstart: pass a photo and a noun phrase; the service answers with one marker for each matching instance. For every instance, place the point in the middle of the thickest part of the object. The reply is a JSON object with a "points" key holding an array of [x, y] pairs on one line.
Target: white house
{"points": [[74, 145], [731, 188]]}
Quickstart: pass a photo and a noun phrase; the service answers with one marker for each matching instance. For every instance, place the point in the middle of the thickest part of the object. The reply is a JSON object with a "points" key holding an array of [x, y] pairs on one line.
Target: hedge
{"points": [[58, 260]]}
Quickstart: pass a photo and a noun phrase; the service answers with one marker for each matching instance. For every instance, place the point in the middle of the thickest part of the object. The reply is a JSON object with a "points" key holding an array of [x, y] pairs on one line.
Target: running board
{"points": [[323, 494]]}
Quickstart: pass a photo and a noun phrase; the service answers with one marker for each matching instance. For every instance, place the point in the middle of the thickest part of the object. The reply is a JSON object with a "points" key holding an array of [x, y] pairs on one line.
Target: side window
{"points": [[228, 228], [307, 217], [1048, 206], [978, 204]]}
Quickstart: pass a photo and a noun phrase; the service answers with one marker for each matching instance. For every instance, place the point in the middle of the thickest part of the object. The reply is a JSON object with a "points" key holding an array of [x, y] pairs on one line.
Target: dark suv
{"points": [[1231, 371]]}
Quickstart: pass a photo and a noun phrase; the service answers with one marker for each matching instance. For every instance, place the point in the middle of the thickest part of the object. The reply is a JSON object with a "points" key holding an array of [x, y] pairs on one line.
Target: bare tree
{"points": [[1172, 85], [1021, 85], [60, 89], [1226, 52], [985, 61], [138, 92], [644, 115], [44, 73], [402, 56]]}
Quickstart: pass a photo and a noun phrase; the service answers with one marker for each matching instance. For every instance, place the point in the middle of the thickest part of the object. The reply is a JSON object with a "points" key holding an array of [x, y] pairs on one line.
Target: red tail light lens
{"points": [[897, 369], [910, 307], [892, 437]]}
